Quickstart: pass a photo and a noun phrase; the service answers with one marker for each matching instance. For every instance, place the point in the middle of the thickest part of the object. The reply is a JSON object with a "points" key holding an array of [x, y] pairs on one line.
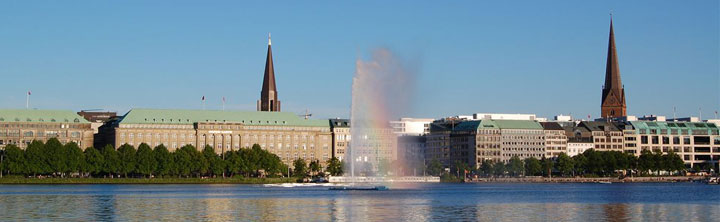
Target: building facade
{"points": [[21, 127], [411, 126], [555, 139], [284, 134], [341, 137]]}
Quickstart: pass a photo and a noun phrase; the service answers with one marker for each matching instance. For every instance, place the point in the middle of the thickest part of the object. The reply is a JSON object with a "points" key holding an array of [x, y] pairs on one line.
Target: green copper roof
{"points": [[47, 116], [495, 124], [684, 126], [177, 116], [518, 124]]}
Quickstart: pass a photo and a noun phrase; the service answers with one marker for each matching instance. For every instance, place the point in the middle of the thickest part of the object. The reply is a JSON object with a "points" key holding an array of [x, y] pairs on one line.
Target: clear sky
{"points": [[543, 57]]}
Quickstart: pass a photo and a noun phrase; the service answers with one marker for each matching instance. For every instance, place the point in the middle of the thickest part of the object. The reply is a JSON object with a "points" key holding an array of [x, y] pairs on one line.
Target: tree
{"points": [[163, 158], [146, 164], [434, 168], [14, 160], [183, 160], [300, 167], [94, 161], [74, 157], [532, 166], [200, 165], [547, 165], [487, 167], [645, 161], [515, 166], [565, 164], [216, 165], [111, 159], [127, 159], [234, 162], [499, 168], [383, 167], [55, 155], [314, 167], [334, 166], [36, 158]]}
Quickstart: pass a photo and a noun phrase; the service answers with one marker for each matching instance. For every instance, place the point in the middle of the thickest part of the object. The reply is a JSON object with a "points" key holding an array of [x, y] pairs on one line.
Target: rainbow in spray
{"points": [[381, 91]]}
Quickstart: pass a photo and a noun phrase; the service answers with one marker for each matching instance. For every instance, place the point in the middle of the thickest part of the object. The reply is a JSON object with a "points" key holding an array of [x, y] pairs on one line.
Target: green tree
{"points": [[216, 164], [547, 165], [55, 155], [314, 167], [565, 164], [200, 164], [164, 160], [645, 161], [111, 159], [499, 168], [334, 166], [14, 160], [94, 161], [183, 160], [532, 166], [234, 162], [74, 158], [36, 158], [515, 166], [486, 167], [127, 159], [300, 167], [434, 168], [146, 163]]}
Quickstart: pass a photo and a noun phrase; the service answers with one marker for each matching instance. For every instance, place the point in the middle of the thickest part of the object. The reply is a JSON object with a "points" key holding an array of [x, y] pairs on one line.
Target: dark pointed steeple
{"points": [[613, 93], [268, 95]]}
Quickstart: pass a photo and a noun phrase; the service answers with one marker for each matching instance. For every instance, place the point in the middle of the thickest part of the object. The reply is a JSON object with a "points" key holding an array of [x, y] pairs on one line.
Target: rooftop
{"points": [[178, 116], [33, 115]]}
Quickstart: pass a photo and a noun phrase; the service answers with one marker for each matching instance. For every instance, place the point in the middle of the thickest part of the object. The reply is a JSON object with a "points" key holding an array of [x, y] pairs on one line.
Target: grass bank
{"points": [[236, 180]]}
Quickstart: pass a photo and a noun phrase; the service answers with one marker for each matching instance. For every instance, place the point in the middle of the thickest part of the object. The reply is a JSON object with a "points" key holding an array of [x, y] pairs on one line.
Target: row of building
{"points": [[468, 139]]}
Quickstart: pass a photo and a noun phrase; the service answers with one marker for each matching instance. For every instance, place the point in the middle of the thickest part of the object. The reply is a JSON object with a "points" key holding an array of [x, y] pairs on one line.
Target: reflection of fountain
{"points": [[381, 90]]}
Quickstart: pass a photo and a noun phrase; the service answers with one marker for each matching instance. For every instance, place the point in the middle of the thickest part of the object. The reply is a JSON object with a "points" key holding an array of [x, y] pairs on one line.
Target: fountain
{"points": [[382, 89]]}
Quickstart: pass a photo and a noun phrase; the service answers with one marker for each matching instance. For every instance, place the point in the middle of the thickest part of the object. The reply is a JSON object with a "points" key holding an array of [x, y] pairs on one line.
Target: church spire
{"points": [[613, 94], [268, 95]]}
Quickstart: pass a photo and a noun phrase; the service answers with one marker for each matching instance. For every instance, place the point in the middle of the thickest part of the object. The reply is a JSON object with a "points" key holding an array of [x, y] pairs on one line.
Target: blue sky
{"points": [[537, 57]]}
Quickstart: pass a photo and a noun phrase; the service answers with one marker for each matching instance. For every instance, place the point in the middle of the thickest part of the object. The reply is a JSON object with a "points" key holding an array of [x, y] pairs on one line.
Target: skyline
{"points": [[154, 66]]}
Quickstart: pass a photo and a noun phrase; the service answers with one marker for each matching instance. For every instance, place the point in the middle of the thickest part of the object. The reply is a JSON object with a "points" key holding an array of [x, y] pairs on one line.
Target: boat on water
{"points": [[359, 188], [714, 181], [604, 182]]}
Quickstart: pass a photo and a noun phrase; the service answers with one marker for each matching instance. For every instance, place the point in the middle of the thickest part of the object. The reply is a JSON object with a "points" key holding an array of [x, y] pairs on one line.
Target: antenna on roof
{"points": [[307, 114]]}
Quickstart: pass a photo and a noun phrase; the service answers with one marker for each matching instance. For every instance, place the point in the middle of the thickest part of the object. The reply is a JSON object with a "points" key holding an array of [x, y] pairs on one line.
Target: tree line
{"points": [[590, 163], [55, 159]]}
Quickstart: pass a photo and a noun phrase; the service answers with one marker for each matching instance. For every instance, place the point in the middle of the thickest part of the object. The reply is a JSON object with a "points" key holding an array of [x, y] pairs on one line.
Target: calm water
{"points": [[430, 202]]}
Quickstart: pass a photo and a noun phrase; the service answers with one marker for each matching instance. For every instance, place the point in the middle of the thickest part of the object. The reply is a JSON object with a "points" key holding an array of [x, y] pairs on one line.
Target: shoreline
{"points": [[87, 181], [668, 179]]}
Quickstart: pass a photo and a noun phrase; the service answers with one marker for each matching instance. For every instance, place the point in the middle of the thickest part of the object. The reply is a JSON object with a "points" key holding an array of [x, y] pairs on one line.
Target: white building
{"points": [[411, 126], [503, 116], [577, 147]]}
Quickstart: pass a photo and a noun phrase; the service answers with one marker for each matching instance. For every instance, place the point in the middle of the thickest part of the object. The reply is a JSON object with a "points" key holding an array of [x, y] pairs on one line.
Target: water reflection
{"points": [[434, 203]]}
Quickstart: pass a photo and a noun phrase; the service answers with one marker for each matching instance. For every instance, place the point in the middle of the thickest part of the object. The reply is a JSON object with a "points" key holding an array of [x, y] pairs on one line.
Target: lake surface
{"points": [[428, 202]]}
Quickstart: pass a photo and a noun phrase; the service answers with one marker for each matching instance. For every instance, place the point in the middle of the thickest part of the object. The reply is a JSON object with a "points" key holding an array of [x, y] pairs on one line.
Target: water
{"points": [[430, 202]]}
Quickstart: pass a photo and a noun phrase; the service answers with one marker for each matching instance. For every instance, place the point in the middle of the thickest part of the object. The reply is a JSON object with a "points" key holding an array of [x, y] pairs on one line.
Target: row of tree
{"points": [[588, 163], [55, 159]]}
